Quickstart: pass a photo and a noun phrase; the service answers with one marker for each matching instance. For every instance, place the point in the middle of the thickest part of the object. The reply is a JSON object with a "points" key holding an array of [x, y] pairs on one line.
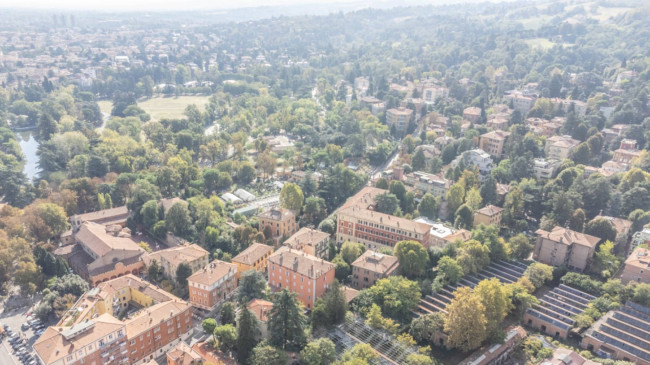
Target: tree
{"points": [[450, 269], [246, 329], [473, 199], [252, 285], [46, 220], [183, 272], [178, 219], [426, 327], [418, 359], [228, 313], [226, 336], [494, 298], [386, 203], [489, 236], [150, 213], [362, 353], [418, 161], [602, 228], [642, 294], [473, 256], [143, 191], [62, 304], [520, 246], [209, 324], [154, 271], [397, 296], [413, 258], [397, 188], [581, 154], [350, 251], [428, 206], [268, 355], [319, 352], [291, 197], [342, 269], [381, 183], [287, 321], [455, 197], [331, 308], [539, 274], [577, 220], [466, 323], [605, 262], [314, 210], [463, 218]]}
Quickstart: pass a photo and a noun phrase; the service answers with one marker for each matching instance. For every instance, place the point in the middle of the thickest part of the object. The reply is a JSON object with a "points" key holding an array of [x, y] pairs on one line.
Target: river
{"points": [[29, 145]]}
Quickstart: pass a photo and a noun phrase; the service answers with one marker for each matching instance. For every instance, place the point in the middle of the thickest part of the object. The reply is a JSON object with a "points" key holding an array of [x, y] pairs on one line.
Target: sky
{"points": [[152, 5]]}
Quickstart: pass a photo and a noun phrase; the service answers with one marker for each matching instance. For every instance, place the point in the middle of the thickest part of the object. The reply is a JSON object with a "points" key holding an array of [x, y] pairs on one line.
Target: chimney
{"points": [[295, 263]]}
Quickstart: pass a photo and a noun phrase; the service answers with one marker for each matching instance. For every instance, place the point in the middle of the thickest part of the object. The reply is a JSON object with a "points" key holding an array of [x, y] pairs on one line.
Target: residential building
{"points": [[560, 147], [424, 182], [441, 234], [627, 152], [621, 334], [639, 238], [299, 272], [493, 142], [399, 119], [432, 93], [254, 257], [169, 259], [260, 309], [521, 102], [564, 356], [212, 285], [183, 354], [498, 353], [107, 217], [556, 311], [282, 222], [92, 333], [498, 122], [502, 191], [544, 168], [565, 105], [472, 114], [488, 215], [478, 158], [562, 246], [101, 253], [637, 267], [372, 266], [311, 241]]}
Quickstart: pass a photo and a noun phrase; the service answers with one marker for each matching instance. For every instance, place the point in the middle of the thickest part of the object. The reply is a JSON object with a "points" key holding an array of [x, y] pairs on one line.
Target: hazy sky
{"points": [[162, 4]]}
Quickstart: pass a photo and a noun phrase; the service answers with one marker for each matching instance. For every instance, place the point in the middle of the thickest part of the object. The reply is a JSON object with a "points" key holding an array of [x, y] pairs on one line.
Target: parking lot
{"points": [[14, 320]]}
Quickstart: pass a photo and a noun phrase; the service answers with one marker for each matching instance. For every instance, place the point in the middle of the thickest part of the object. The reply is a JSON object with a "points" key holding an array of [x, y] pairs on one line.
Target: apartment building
{"points": [[544, 168], [621, 334], [282, 222], [472, 114], [560, 147], [301, 273], [169, 259], [637, 267], [565, 105], [183, 354], [627, 152], [254, 257], [212, 285], [488, 215], [91, 332], [520, 102], [424, 182], [311, 241], [562, 246], [493, 142], [432, 93], [372, 266], [399, 119], [476, 157]]}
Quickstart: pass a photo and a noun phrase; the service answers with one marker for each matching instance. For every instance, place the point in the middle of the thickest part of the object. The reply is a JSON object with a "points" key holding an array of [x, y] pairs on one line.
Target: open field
{"points": [[160, 108], [541, 43]]}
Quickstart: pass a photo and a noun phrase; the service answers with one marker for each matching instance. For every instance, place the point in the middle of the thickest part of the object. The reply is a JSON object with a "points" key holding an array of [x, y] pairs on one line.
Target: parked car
{"points": [[24, 326]]}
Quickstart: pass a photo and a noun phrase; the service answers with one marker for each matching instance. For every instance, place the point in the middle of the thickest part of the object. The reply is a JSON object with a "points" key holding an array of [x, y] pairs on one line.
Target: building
{"points": [[564, 356], [622, 334], [424, 182], [282, 222], [101, 253], [254, 257], [565, 105], [493, 142], [399, 119], [622, 227], [521, 102], [476, 157], [183, 354], [169, 259], [498, 353], [472, 114], [556, 311], [639, 238], [299, 272], [311, 241], [544, 169], [627, 152], [562, 246], [121, 321], [560, 147], [432, 93], [107, 217], [488, 215], [441, 234], [372, 266], [212, 285], [260, 309], [637, 267], [498, 121], [244, 195]]}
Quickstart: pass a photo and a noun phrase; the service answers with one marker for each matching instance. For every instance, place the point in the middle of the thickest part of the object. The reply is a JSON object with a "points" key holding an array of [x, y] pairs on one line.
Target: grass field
{"points": [[160, 108]]}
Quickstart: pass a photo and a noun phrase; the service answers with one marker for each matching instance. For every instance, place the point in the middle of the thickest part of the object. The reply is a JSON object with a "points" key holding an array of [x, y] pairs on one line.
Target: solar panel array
{"points": [[506, 272], [560, 306], [626, 329]]}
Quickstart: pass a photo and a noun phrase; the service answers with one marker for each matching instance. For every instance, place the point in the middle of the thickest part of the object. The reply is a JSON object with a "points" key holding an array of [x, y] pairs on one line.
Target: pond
{"points": [[29, 145]]}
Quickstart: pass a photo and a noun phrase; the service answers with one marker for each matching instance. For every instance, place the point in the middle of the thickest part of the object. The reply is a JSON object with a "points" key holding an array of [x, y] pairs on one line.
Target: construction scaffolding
{"points": [[354, 331]]}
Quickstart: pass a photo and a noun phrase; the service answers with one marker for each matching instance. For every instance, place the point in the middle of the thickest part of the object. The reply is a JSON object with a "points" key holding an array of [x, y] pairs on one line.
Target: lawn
{"points": [[160, 108]]}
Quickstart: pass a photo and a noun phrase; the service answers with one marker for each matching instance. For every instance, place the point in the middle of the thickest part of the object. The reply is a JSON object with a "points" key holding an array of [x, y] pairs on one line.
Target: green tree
{"points": [[473, 256], [150, 213], [450, 269], [397, 296], [463, 217], [361, 353], [183, 272], [287, 321], [520, 246], [413, 258], [494, 298], [605, 261], [425, 328], [466, 323], [319, 352], [418, 161], [418, 359], [581, 154], [350, 251], [381, 183], [209, 324], [386, 203], [473, 199], [455, 197], [602, 228], [154, 271], [246, 329], [539, 274], [228, 313], [642, 294], [342, 269], [331, 307], [268, 355], [489, 190], [397, 188], [577, 220], [291, 197], [252, 285], [226, 336], [428, 206]]}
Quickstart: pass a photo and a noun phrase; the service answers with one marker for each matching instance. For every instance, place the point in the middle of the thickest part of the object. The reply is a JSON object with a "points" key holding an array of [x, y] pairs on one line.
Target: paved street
{"points": [[14, 319]]}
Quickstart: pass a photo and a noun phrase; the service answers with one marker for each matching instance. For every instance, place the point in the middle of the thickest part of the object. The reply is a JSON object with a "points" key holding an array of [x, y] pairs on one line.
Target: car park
{"points": [[24, 326]]}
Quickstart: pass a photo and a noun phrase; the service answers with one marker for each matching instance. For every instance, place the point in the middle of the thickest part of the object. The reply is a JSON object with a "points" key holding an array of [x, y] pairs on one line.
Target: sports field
{"points": [[160, 108]]}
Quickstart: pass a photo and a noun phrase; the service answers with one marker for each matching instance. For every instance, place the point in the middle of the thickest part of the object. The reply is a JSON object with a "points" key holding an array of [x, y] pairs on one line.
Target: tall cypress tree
{"points": [[287, 322], [246, 328]]}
